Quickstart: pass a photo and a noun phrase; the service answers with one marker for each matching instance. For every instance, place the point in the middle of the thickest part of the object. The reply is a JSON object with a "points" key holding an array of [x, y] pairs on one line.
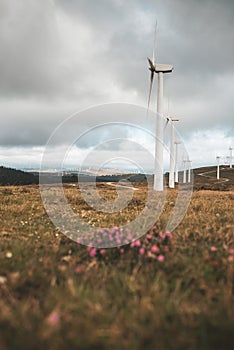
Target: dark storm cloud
{"points": [[62, 55]]}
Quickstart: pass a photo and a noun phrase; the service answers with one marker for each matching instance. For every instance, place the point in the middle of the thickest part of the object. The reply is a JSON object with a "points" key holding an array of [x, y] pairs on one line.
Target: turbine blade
{"points": [[168, 119], [152, 68], [151, 85], [168, 106], [154, 47]]}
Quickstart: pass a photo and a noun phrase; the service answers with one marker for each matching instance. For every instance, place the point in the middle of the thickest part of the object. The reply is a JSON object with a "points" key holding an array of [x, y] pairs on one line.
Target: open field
{"points": [[161, 293]]}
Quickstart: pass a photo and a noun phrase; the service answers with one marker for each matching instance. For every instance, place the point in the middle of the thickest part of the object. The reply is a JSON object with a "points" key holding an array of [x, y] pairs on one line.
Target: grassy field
{"points": [[162, 292]]}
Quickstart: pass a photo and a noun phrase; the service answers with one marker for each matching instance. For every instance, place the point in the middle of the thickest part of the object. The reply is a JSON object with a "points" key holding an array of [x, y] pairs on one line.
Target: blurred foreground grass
{"points": [[54, 295]]}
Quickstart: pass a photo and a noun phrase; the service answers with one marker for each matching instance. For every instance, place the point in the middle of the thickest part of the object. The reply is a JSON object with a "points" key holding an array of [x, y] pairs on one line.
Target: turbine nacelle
{"points": [[170, 119], [157, 68], [163, 68]]}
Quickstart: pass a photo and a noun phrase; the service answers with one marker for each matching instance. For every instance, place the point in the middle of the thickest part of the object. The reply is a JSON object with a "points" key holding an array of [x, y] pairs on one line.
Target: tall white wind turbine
{"points": [[160, 69], [177, 143]]}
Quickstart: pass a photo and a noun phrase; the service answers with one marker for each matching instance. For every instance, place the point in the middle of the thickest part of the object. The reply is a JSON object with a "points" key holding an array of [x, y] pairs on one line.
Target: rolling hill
{"points": [[204, 178], [13, 177]]}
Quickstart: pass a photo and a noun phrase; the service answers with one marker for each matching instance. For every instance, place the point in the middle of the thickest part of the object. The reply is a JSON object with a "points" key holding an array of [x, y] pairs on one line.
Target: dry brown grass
{"points": [[55, 296]]}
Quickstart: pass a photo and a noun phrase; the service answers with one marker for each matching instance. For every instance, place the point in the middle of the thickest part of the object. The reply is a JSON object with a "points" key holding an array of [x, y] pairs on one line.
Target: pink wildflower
{"points": [[141, 251], [162, 236], [168, 234], [137, 243], [230, 258], [103, 251], [213, 249], [154, 249], [231, 251], [79, 269], [161, 258], [54, 318], [121, 250], [148, 236], [93, 252]]}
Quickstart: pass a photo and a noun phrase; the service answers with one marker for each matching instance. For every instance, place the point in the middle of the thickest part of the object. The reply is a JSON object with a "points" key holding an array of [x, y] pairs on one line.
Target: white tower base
{"points": [[172, 158], [184, 174], [158, 174]]}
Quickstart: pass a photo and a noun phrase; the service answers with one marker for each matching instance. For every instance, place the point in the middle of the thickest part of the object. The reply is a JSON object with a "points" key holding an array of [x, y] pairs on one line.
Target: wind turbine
{"points": [[185, 169], [218, 171], [230, 159], [227, 160], [172, 152], [177, 143], [189, 170], [160, 69]]}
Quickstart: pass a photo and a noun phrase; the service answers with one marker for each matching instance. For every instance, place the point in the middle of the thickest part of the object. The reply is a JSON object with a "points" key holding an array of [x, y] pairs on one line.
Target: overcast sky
{"points": [[61, 56]]}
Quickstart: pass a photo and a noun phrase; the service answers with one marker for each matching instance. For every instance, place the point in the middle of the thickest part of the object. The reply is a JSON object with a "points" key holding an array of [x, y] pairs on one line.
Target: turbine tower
{"points": [[172, 152], [177, 143], [189, 170], [185, 170], [230, 155], [160, 69], [218, 171]]}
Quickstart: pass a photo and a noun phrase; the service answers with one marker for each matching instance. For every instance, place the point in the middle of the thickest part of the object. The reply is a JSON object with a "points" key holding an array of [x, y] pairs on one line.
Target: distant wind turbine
{"points": [[218, 171], [189, 170], [177, 143], [230, 156], [160, 69], [171, 120], [185, 170], [172, 152]]}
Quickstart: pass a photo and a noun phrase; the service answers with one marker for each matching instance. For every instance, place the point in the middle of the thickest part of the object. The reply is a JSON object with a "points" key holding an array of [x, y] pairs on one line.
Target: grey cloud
{"points": [[195, 36], [27, 46]]}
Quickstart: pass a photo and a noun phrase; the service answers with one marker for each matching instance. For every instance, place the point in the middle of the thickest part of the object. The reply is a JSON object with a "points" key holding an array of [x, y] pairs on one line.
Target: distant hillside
{"points": [[13, 177], [204, 178]]}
